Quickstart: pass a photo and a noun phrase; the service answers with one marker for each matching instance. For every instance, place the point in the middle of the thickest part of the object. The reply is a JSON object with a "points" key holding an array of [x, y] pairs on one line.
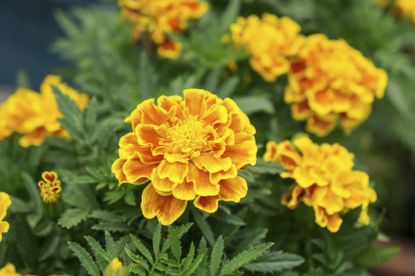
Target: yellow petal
{"points": [[184, 191], [175, 172], [207, 203], [212, 164], [117, 170], [161, 185], [195, 100], [217, 177], [233, 189], [334, 222], [201, 181], [136, 172], [167, 209]]}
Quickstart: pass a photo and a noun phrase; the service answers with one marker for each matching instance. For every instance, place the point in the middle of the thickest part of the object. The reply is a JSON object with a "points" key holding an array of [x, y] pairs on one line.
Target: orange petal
{"points": [[49, 176], [176, 172], [217, 114], [202, 184], [162, 185], [212, 164], [116, 169], [207, 203], [151, 114], [147, 135], [233, 189], [195, 101], [167, 102], [243, 152], [167, 209], [217, 177], [184, 191], [136, 172]]}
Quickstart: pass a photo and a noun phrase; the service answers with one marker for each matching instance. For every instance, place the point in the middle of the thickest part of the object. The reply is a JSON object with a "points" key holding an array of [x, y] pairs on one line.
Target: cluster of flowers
{"points": [[159, 18], [328, 79], [50, 187], [402, 7], [35, 115], [190, 149], [324, 180], [5, 203]]}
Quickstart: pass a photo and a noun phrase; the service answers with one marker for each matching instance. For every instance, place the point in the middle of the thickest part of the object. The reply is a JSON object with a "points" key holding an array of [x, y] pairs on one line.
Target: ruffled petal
{"points": [[233, 189], [212, 164], [167, 209], [136, 172], [184, 191], [208, 204], [175, 172], [202, 184]]}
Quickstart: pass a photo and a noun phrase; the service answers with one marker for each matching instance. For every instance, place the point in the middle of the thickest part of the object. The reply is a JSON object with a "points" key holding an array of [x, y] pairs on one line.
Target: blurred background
{"points": [[385, 145]]}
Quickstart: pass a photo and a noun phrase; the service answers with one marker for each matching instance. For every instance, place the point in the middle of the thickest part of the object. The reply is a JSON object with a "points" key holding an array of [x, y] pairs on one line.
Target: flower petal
{"points": [[117, 170], [167, 209], [175, 172], [184, 191], [136, 172], [212, 164], [233, 189], [202, 184], [207, 203]]}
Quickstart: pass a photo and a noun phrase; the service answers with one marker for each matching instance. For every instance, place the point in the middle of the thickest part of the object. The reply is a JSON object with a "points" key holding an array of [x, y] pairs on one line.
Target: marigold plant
{"points": [[5, 203], [35, 115], [270, 41], [50, 187], [159, 18], [324, 179], [190, 149], [330, 81]]}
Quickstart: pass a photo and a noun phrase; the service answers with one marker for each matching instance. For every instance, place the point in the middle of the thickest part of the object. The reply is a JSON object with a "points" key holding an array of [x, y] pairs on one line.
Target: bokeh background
{"points": [[385, 144]]}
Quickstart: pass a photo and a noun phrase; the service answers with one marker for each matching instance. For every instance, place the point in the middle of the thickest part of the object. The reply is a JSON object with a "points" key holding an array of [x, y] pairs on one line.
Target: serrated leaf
{"points": [[72, 217], [136, 258], [374, 256], [216, 256], [156, 240], [204, 227], [244, 258], [97, 249], [274, 262], [85, 258], [141, 248]]}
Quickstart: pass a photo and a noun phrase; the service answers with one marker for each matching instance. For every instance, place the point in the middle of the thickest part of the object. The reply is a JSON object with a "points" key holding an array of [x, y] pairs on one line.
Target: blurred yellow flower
{"points": [[324, 180], [9, 270], [35, 115], [330, 81], [50, 187], [115, 268], [190, 149], [158, 18], [270, 42], [405, 8], [5, 203]]}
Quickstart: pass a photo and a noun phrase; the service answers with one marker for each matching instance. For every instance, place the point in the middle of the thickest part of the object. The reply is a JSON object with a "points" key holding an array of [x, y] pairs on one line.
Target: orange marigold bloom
{"points": [[324, 180], [190, 149], [330, 81], [406, 8], [158, 18], [50, 187], [5, 203], [270, 41], [35, 115]]}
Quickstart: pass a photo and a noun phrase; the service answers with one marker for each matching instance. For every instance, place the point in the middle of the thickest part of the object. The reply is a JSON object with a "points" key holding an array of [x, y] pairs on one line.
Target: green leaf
{"points": [[274, 262], [141, 248], [228, 88], [85, 258], [232, 11], [97, 249], [254, 104], [265, 167], [72, 217], [136, 258], [156, 240], [374, 256], [244, 258], [216, 256], [203, 226]]}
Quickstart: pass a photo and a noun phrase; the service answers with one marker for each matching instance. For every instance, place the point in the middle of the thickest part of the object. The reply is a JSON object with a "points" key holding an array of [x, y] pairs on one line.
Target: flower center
{"points": [[188, 137]]}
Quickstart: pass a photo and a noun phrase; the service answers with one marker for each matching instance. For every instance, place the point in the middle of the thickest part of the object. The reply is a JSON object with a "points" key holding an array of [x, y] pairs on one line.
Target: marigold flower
{"points": [[405, 8], [158, 18], [190, 149], [50, 187], [9, 270], [5, 203], [270, 41], [35, 115], [324, 180], [330, 81]]}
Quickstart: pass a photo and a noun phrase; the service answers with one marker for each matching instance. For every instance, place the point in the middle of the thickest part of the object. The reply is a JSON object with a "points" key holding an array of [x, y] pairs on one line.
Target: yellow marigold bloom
{"points": [[115, 268], [324, 180], [270, 41], [5, 203], [35, 115], [190, 149], [158, 18], [9, 270], [50, 187], [406, 8], [331, 81]]}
